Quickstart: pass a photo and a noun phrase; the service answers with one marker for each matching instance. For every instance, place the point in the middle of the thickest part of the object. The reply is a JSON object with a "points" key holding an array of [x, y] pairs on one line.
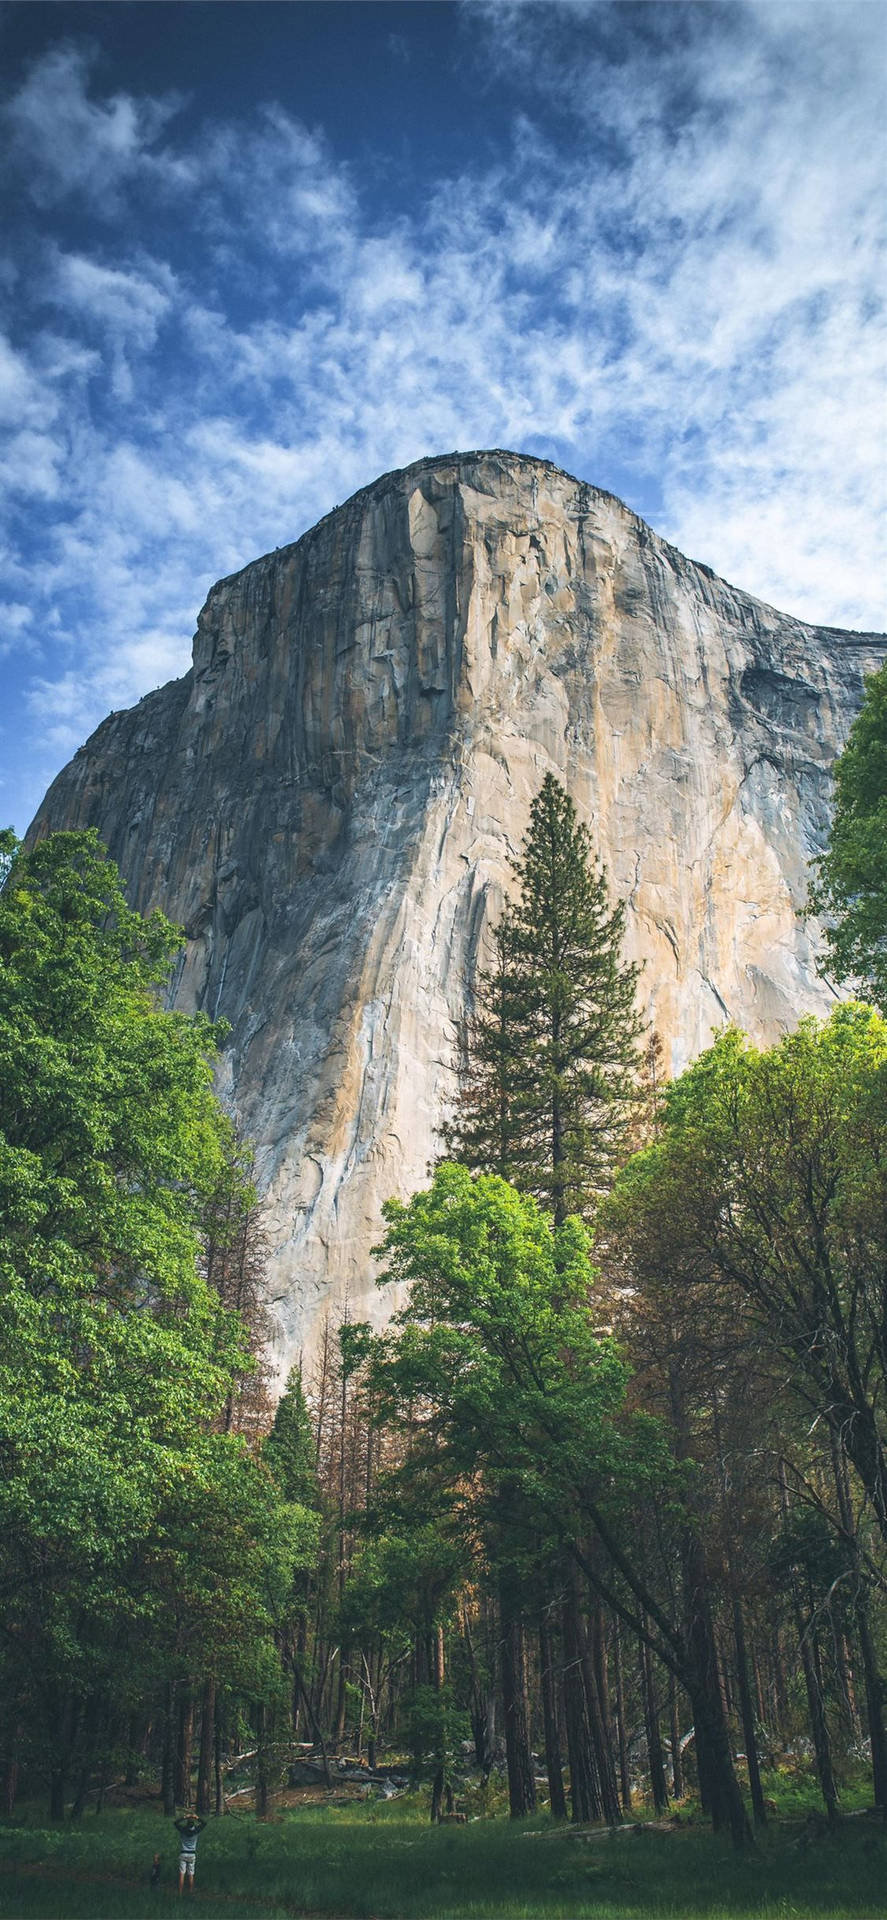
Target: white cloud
{"points": [[31, 466], [70, 142], [24, 397], [16, 617], [683, 300], [126, 303]]}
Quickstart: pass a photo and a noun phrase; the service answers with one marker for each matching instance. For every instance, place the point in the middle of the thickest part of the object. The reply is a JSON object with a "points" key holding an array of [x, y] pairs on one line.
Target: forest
{"points": [[596, 1525]]}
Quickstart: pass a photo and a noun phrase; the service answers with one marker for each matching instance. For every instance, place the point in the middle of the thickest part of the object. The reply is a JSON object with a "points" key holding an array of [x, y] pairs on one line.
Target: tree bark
{"points": [[66, 1727], [477, 1705], [261, 1761], [88, 1742], [748, 1716], [521, 1778], [184, 1745], [167, 1763], [10, 1779], [217, 1767], [437, 1666], [594, 1668], [715, 1758], [553, 1764], [585, 1800], [818, 1726], [874, 1703], [872, 1681], [207, 1741], [621, 1730], [57, 1783], [655, 1758], [677, 1770]]}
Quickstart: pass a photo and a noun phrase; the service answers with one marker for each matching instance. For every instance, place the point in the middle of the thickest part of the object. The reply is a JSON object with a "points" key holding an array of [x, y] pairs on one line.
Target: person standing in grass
{"points": [[189, 1828]]}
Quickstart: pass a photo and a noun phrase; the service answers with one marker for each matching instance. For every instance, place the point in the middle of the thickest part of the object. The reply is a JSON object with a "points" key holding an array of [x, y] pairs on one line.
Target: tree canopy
{"points": [[132, 1532], [766, 1197], [850, 884]]}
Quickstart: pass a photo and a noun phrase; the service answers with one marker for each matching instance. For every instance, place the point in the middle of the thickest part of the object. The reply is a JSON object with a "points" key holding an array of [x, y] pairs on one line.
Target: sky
{"points": [[255, 255]]}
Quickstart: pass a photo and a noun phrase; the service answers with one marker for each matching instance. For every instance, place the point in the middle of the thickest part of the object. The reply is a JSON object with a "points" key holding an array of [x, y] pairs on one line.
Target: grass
{"points": [[381, 1862]]}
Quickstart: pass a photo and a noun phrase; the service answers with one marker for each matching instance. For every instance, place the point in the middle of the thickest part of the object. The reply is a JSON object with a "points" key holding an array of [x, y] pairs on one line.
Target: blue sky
{"points": [[260, 253]]}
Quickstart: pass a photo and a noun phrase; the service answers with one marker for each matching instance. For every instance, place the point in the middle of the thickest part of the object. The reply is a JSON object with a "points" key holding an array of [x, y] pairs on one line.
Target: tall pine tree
{"points": [[553, 1046]]}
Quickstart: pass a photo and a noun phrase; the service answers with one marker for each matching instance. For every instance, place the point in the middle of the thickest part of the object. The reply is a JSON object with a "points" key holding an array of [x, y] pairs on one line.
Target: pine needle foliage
{"points": [[553, 1046]]}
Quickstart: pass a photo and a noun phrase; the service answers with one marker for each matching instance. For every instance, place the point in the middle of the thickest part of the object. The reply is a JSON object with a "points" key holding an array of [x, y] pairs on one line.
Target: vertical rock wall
{"points": [[331, 800]]}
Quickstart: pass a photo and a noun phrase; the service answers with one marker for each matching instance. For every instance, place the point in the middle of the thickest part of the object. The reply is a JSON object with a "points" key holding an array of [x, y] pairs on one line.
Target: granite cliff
{"points": [[331, 799]]}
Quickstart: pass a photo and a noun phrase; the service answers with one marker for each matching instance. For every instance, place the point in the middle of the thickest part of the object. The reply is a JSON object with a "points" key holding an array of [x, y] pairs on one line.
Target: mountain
{"points": [[331, 800]]}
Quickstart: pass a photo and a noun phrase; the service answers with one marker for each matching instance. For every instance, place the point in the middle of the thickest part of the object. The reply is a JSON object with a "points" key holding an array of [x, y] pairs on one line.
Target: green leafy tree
{"points": [[496, 1365], [116, 1357], [552, 1067], [763, 1207], [850, 888], [769, 1184], [411, 1566]]}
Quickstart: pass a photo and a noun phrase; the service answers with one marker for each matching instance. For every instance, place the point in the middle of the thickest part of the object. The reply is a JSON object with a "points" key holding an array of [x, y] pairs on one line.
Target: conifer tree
{"points": [[552, 1067], [485, 1132], [289, 1447]]}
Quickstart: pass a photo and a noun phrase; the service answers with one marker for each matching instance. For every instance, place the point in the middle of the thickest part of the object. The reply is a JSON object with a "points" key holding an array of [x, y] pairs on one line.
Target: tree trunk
{"points": [[261, 1762], [553, 1763], [80, 1798], [66, 1727], [317, 1732], [748, 1717], [813, 1683], [873, 1683], [217, 1767], [585, 1801], [621, 1731], [594, 1668], [655, 1758], [207, 1739], [167, 1763], [57, 1783], [874, 1702], [341, 1702], [88, 1740], [712, 1738], [438, 1673], [134, 1725], [677, 1770], [818, 1727], [183, 1748], [477, 1704], [10, 1779], [521, 1779]]}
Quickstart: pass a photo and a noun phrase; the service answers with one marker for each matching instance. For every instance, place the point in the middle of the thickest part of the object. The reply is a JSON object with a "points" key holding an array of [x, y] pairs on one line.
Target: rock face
{"points": [[331, 799]]}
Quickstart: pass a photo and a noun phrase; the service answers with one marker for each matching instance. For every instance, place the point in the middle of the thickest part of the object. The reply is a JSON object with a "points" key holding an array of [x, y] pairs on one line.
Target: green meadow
{"points": [[387, 1863]]}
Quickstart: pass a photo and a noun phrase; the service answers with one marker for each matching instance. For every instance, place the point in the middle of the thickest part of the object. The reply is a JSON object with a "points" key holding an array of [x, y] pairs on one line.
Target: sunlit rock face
{"points": [[331, 800]]}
